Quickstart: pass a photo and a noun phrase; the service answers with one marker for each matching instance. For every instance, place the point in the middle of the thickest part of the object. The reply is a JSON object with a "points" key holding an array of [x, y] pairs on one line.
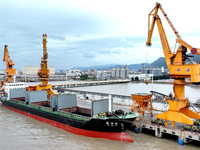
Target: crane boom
{"points": [[9, 65], [176, 62], [43, 73], [158, 6]]}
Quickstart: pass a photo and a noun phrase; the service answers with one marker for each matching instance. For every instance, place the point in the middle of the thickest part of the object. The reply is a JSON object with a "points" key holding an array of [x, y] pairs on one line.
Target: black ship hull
{"points": [[113, 129]]}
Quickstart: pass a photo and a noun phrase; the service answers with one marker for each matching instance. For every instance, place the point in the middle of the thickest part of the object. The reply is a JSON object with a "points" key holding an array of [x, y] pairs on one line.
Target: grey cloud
{"points": [[22, 30]]}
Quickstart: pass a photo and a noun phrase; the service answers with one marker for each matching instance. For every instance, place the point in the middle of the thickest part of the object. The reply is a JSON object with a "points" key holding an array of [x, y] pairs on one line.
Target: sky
{"points": [[83, 33]]}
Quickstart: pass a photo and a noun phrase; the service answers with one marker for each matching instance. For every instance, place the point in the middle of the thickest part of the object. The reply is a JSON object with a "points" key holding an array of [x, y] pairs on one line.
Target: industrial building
{"points": [[75, 71], [33, 70], [92, 71], [114, 73], [120, 73], [154, 71], [101, 75]]}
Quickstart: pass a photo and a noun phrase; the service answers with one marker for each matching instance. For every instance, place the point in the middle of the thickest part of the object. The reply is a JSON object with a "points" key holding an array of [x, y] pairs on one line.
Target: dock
{"points": [[87, 83], [182, 135], [159, 98]]}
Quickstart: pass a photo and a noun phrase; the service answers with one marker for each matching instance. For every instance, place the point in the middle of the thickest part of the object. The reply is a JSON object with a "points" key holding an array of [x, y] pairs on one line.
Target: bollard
{"points": [[137, 130], [180, 141]]}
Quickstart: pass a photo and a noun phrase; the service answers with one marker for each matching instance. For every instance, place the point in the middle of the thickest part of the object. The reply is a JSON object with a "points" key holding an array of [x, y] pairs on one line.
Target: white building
{"points": [[74, 71], [122, 73], [92, 71], [113, 73], [117, 73], [103, 75], [33, 70]]}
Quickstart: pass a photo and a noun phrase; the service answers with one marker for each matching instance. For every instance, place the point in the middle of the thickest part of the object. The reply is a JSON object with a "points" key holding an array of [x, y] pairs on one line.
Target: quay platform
{"points": [[87, 83], [183, 136], [145, 124]]}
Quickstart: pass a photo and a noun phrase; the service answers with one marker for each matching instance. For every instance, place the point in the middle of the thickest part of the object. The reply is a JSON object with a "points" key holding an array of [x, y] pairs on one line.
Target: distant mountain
{"points": [[101, 67], [160, 62], [137, 66], [195, 58], [110, 66]]}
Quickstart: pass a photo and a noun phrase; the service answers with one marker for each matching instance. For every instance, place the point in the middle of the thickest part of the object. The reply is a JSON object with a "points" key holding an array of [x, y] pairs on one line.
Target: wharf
{"points": [[87, 83], [159, 98], [92, 93], [145, 125]]}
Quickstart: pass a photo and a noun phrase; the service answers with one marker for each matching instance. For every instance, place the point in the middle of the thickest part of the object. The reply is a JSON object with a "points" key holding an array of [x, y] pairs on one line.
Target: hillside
{"points": [[160, 62]]}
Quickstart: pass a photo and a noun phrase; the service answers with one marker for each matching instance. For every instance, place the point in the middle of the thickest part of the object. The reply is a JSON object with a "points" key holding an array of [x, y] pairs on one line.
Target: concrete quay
{"points": [[182, 135], [88, 83], [157, 99], [160, 131]]}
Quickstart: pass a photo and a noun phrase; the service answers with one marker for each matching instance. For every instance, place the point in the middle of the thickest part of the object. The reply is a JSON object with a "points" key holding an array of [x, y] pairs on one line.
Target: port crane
{"points": [[10, 71], [43, 73], [179, 69]]}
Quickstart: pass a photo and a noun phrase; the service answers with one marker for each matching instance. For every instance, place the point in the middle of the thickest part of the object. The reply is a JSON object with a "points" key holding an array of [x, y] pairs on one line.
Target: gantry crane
{"points": [[9, 66], [43, 73], [179, 70]]}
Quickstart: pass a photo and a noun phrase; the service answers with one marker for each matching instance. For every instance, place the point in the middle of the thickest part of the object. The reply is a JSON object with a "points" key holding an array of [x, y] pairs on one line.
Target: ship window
{"points": [[115, 123], [107, 123], [187, 70], [178, 70]]}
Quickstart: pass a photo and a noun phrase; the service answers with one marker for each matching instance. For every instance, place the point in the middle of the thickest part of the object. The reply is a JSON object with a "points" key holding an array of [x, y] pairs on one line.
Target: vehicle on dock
{"points": [[62, 111]]}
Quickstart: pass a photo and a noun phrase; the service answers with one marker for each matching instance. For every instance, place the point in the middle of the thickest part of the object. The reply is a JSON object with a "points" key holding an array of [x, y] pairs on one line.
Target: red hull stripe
{"points": [[108, 135]]}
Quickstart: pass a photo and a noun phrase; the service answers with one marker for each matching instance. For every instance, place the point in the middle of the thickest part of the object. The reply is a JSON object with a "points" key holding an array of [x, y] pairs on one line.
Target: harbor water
{"points": [[21, 132]]}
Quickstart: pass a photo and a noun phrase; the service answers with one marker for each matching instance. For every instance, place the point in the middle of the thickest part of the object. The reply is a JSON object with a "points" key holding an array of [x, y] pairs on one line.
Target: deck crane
{"points": [[9, 66], [43, 73], [179, 70]]}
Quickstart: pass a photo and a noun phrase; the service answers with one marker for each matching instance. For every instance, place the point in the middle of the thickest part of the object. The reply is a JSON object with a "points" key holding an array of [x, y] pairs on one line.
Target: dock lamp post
{"points": [[66, 79]]}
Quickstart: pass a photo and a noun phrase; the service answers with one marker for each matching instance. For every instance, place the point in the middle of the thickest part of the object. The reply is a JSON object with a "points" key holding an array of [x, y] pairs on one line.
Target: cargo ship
{"points": [[62, 111]]}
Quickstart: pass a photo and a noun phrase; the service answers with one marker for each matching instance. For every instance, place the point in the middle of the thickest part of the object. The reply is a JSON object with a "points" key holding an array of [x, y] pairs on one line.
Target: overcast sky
{"points": [[83, 33]]}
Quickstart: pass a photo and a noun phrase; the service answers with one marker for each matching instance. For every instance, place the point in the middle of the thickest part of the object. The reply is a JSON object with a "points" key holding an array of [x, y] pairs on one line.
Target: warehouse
{"points": [[33, 70]]}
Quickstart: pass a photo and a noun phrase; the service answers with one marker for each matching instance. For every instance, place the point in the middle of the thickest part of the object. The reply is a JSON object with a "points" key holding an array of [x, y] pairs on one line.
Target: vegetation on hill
{"points": [[160, 62]]}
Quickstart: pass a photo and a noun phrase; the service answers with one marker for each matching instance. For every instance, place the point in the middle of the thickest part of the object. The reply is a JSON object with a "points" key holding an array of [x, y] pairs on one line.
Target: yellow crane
{"points": [[43, 73], [179, 70], [9, 66]]}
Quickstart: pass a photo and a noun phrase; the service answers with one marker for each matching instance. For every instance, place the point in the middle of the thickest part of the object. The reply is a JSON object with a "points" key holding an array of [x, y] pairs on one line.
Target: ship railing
{"points": [[41, 107], [74, 115], [21, 102]]}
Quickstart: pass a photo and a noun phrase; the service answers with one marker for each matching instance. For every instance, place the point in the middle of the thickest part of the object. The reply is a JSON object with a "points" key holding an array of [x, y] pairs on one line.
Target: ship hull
{"points": [[113, 129]]}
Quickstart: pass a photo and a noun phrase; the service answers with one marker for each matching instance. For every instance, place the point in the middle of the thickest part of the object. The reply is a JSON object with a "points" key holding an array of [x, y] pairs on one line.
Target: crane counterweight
{"points": [[195, 51]]}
